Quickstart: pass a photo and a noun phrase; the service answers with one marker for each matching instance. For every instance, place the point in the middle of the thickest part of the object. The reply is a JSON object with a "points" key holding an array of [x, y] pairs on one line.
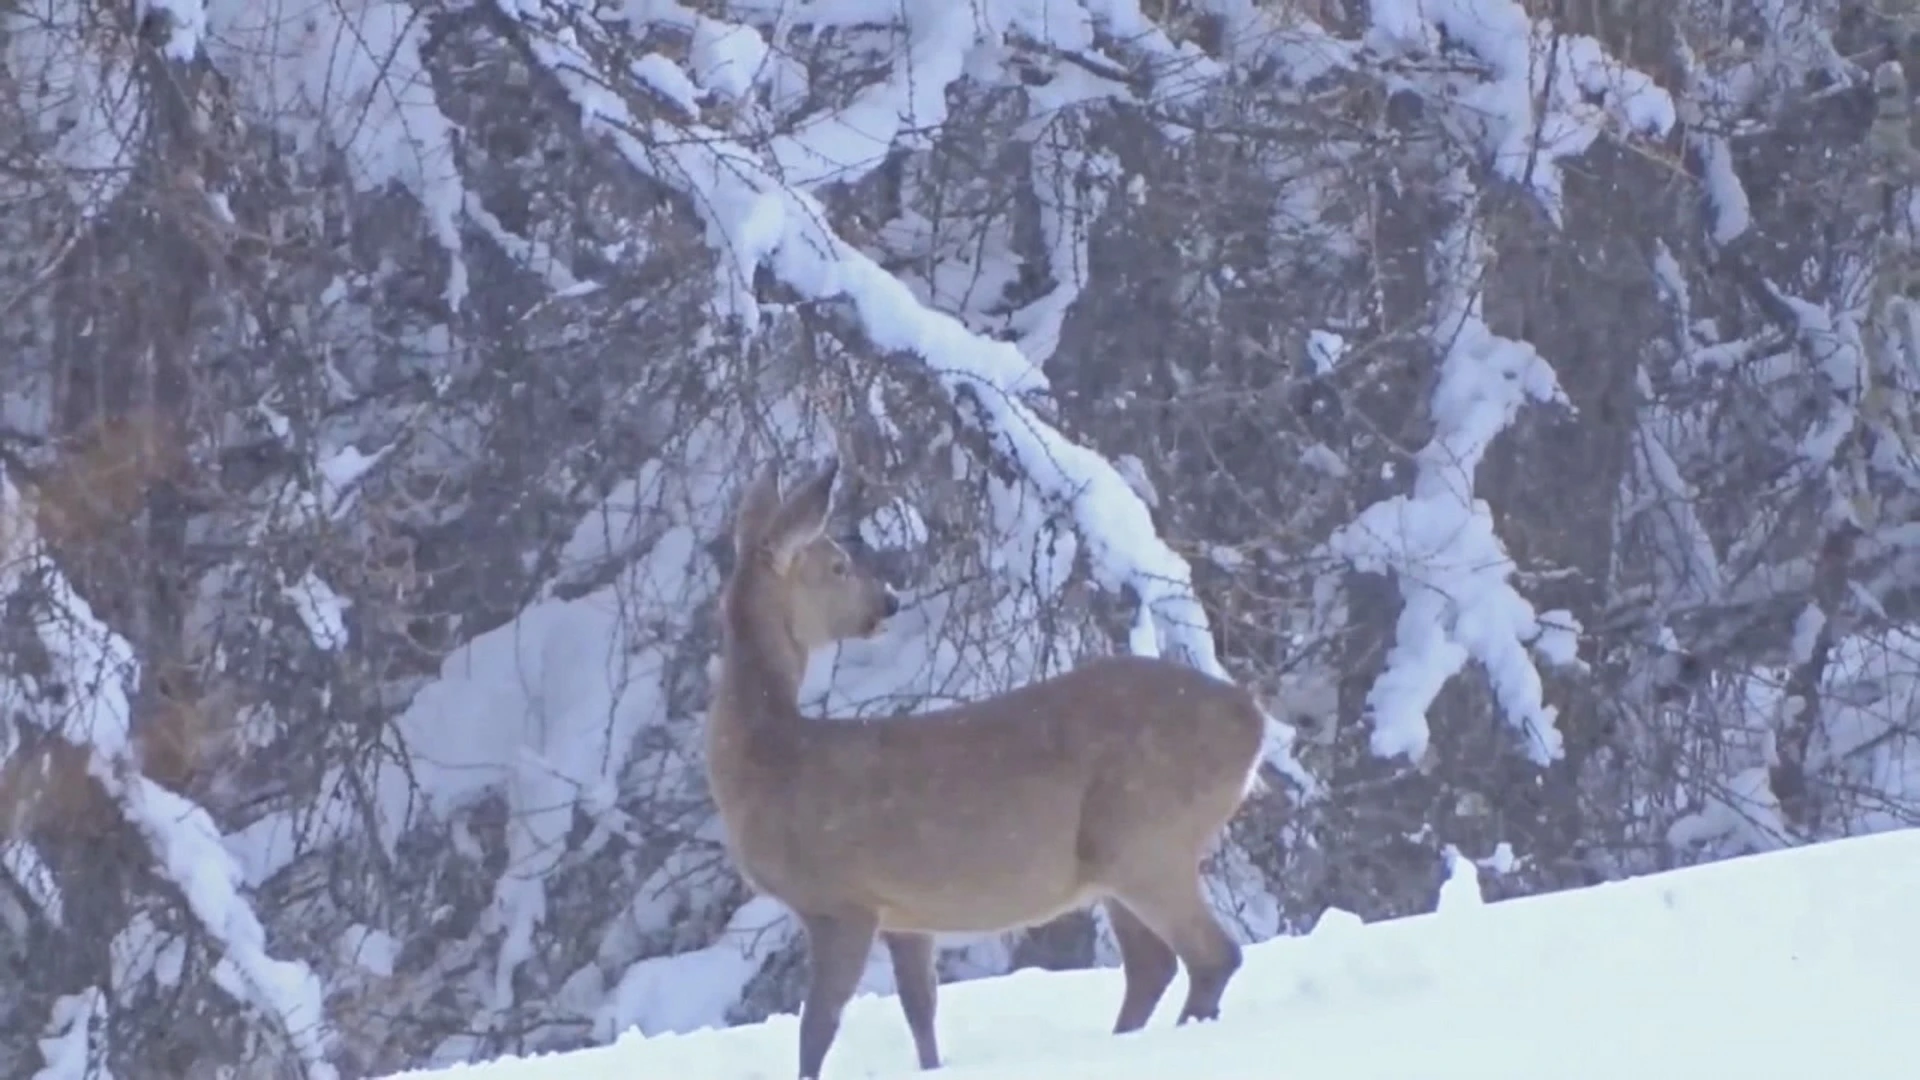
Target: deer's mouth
{"points": [[878, 615], [878, 624]]}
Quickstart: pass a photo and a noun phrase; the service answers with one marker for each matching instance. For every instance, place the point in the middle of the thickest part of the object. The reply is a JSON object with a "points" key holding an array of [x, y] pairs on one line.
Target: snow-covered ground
{"points": [[1792, 964]]}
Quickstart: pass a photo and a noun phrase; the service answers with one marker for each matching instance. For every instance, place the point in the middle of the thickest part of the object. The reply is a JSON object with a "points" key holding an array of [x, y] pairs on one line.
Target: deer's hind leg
{"points": [[1176, 911], [1149, 964], [919, 985]]}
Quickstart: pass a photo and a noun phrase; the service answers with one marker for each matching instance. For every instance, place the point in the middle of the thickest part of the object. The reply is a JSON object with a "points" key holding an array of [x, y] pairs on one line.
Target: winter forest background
{"points": [[1519, 396]]}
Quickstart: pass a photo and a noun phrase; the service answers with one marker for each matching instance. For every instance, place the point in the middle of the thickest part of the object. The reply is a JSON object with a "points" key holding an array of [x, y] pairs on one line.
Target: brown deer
{"points": [[1107, 784]]}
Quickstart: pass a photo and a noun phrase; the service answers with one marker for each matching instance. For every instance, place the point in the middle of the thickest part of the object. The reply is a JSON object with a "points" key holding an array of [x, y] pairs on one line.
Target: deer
{"points": [[1106, 784]]}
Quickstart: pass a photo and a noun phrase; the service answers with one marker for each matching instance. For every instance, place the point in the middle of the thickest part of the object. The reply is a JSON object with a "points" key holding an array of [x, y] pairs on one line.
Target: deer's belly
{"points": [[982, 912], [932, 875], [932, 892], [915, 898], [978, 869]]}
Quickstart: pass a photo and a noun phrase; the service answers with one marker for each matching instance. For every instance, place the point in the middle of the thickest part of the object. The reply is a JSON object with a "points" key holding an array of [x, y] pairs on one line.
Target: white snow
{"points": [[894, 526], [1744, 809], [681, 992], [727, 57], [1834, 341], [665, 78], [371, 950], [143, 950], [305, 501], [1725, 194], [21, 862], [847, 143], [1796, 963], [1325, 349], [321, 610], [1806, 632], [1461, 889], [187, 845], [67, 1046], [546, 708], [1077, 183]]}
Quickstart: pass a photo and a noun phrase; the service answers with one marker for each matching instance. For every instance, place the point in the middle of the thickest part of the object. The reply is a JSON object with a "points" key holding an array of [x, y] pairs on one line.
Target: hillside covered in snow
{"points": [[1793, 964]]}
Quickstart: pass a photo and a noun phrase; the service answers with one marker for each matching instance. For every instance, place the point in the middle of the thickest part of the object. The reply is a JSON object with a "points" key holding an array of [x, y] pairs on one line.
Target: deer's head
{"points": [[797, 575]]}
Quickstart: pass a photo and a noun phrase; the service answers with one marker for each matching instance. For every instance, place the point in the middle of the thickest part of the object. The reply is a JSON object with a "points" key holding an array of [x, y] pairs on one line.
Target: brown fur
{"points": [[1106, 784]]}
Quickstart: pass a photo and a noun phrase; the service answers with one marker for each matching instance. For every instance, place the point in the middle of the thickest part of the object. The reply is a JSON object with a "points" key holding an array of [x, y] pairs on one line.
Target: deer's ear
{"points": [[802, 517], [757, 509]]}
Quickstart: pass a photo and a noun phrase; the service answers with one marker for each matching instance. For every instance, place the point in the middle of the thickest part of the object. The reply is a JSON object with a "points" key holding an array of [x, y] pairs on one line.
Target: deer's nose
{"points": [[891, 605]]}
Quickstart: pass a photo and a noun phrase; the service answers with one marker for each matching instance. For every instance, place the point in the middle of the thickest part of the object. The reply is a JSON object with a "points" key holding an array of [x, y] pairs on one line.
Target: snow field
{"points": [[1790, 964]]}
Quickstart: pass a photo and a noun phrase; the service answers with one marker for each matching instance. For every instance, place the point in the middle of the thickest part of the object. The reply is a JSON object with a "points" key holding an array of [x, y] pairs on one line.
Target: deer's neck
{"points": [[761, 665]]}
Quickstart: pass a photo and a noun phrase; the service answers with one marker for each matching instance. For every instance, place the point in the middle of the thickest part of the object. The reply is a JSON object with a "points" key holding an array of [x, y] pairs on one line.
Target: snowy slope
{"points": [[1792, 964]]}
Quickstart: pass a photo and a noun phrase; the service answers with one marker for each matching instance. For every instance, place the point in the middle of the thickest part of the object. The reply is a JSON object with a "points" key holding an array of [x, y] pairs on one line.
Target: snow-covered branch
{"points": [[82, 700], [758, 220], [1439, 541], [1544, 97]]}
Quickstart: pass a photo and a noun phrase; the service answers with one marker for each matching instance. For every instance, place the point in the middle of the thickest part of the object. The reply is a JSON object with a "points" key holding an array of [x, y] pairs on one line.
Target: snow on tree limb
{"points": [[1439, 541], [1537, 104], [1078, 183], [1545, 96], [757, 221], [93, 665], [84, 94], [353, 75], [68, 1047], [186, 24]]}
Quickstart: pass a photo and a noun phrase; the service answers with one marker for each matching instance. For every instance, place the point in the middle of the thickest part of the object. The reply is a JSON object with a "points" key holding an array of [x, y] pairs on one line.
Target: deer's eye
{"points": [[840, 568]]}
